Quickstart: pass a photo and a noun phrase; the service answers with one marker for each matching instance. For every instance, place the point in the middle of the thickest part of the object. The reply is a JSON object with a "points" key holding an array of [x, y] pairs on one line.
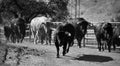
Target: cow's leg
{"points": [[57, 47], [99, 43], [49, 39], [18, 37], [114, 45], [22, 37], [64, 48], [99, 46], [46, 39], [13, 38], [72, 43], [7, 38], [42, 41], [36, 37], [79, 42], [109, 46], [105, 45], [69, 44], [6, 35], [102, 45]]}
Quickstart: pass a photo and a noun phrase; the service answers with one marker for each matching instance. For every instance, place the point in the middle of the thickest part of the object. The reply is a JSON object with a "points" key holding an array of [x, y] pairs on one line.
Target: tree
{"points": [[61, 8], [31, 8]]}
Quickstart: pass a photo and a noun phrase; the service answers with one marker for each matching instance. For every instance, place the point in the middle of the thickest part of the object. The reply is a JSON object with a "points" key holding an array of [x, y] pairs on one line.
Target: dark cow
{"points": [[8, 31], [42, 33], [15, 30], [19, 23], [22, 28], [104, 33], [81, 29], [64, 36], [11, 32], [116, 36]]}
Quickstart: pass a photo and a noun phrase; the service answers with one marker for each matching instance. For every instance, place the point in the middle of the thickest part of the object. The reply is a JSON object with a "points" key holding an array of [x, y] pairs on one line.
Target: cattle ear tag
{"points": [[68, 33], [119, 36], [77, 22]]}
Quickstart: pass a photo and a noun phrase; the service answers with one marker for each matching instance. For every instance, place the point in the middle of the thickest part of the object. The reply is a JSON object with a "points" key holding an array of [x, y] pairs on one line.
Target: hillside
{"points": [[96, 10]]}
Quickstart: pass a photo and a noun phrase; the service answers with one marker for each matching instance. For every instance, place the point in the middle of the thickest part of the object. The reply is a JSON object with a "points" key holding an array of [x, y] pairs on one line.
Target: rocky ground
{"points": [[28, 54]]}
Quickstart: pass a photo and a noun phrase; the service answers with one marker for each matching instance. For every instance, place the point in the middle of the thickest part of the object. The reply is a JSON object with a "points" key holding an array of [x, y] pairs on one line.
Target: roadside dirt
{"points": [[45, 55]]}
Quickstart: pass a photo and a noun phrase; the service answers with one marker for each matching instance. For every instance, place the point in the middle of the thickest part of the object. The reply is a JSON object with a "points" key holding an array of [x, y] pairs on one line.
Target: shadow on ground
{"points": [[5, 64], [117, 50], [94, 58], [113, 51]]}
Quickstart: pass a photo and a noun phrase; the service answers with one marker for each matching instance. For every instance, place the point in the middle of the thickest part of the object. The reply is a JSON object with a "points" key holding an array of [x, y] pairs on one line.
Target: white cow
{"points": [[38, 26]]}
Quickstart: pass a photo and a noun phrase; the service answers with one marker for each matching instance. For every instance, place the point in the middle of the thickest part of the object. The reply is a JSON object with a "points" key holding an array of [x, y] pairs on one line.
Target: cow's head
{"points": [[83, 24], [108, 30]]}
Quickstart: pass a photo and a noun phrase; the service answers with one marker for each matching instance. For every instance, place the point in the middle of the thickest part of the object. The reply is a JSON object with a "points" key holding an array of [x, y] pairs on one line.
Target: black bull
{"points": [[64, 36], [116, 36], [81, 29], [104, 33]]}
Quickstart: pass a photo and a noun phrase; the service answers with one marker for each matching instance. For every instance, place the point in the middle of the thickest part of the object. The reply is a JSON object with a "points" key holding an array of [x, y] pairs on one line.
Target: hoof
{"points": [[109, 50], [58, 56], [64, 54], [67, 51], [79, 46]]}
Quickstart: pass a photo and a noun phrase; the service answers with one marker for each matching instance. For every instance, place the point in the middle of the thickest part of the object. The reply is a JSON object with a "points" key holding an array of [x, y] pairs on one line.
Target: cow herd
{"points": [[15, 30], [64, 33]]}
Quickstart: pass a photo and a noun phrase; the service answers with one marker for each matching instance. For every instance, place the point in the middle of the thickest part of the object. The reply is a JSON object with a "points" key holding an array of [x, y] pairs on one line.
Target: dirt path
{"points": [[88, 56]]}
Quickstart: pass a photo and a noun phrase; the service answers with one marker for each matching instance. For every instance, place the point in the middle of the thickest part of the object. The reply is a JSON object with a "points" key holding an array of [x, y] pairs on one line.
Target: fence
{"points": [[90, 37]]}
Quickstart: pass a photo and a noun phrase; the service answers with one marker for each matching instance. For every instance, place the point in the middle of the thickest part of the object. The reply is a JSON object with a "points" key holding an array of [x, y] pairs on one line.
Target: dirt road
{"points": [[45, 55]]}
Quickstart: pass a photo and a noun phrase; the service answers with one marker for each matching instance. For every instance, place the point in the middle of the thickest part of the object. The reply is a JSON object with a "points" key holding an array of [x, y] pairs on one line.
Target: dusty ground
{"points": [[45, 55]]}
